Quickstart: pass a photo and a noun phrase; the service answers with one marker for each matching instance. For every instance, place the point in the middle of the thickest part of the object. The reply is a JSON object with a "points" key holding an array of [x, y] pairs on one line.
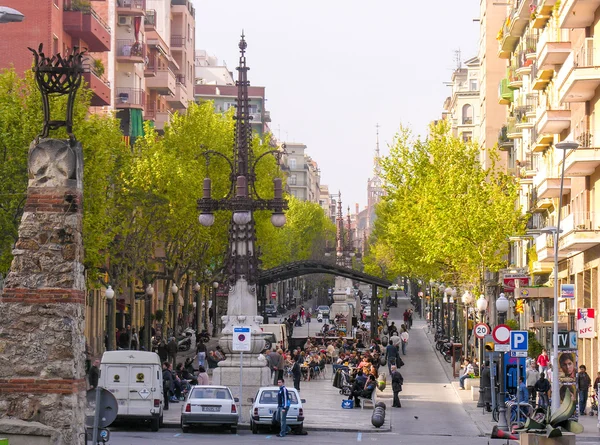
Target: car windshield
{"points": [[269, 397], [323, 308], [211, 393], [270, 307]]}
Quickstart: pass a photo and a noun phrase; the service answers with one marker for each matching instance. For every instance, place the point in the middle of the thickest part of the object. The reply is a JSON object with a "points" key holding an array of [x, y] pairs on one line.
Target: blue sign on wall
{"points": [[567, 291]]}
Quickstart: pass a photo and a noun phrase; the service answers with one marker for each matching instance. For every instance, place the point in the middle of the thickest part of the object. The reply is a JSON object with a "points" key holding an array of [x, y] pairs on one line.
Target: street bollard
{"points": [[378, 416]]}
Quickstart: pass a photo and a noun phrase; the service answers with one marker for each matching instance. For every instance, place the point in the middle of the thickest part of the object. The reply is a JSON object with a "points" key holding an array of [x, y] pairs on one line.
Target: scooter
{"points": [[185, 343], [203, 336]]}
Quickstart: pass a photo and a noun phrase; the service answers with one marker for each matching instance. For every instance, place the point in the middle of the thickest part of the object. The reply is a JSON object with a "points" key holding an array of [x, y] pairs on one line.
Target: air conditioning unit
{"points": [[124, 20]]}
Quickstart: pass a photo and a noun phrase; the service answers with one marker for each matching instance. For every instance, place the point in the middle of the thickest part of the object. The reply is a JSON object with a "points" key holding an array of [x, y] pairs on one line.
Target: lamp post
{"points": [[446, 313], [442, 288], [174, 291], [564, 146], [453, 308], [481, 308], [196, 289], [242, 200], [110, 294], [502, 308], [214, 308], [148, 318], [467, 300]]}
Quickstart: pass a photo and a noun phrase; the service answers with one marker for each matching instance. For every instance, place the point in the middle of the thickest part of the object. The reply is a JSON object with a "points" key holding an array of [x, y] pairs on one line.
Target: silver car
{"points": [[210, 405], [264, 405]]}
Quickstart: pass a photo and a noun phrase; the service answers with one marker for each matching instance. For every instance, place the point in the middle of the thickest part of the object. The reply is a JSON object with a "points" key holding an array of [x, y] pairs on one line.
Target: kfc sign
{"points": [[585, 323]]}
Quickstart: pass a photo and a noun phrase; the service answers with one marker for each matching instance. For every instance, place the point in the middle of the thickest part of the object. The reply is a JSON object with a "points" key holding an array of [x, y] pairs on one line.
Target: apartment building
{"points": [[462, 107], [551, 90], [303, 174]]}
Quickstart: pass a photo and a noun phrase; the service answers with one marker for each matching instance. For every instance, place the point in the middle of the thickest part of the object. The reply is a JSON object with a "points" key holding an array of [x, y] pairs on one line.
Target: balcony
{"points": [[541, 142], [93, 75], [540, 77], [130, 51], [550, 187], [163, 82], [515, 80], [513, 131], [131, 7], [577, 13], [581, 162], [544, 247], [160, 117], [267, 116], [513, 29], [256, 118], [150, 20], [177, 42], [554, 121], [504, 143], [581, 75], [541, 267], [129, 98], [531, 43], [85, 24], [180, 99], [553, 50], [505, 94], [579, 233]]}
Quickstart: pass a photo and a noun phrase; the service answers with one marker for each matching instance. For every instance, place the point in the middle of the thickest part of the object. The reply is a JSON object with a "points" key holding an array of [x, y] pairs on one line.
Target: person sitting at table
{"points": [[364, 392]]}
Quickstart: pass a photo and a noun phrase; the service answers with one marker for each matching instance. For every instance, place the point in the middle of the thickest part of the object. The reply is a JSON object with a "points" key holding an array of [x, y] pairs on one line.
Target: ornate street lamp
{"points": [[481, 308], [214, 307], [198, 305], [110, 294], [242, 260], [467, 300], [148, 318], [174, 291], [502, 308]]}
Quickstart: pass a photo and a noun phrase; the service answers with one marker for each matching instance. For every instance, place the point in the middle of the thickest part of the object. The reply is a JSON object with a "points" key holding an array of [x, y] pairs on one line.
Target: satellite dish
{"points": [[108, 407]]}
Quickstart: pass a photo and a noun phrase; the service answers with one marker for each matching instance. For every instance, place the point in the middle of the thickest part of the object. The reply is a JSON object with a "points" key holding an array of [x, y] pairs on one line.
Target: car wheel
{"points": [[161, 422], [254, 427], [184, 427], [267, 344], [155, 424]]}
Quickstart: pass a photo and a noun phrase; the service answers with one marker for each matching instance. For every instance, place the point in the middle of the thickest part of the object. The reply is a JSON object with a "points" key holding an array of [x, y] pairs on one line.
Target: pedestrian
{"points": [[391, 354], [172, 350], [296, 372], [523, 394], [405, 316], [135, 340], [276, 364], [167, 384], [468, 370], [283, 405], [404, 340], [531, 377], [486, 384], [397, 382], [201, 352], [163, 352], [542, 386], [542, 361], [94, 374], [583, 385], [202, 376], [124, 339], [410, 318], [597, 382]]}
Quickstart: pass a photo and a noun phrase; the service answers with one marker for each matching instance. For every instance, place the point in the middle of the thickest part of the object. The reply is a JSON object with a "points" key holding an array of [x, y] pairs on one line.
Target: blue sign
{"points": [[567, 291], [519, 341]]}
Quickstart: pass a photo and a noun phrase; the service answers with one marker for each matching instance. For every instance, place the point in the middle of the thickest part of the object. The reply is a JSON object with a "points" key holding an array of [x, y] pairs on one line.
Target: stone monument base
{"points": [[255, 374], [21, 432], [536, 439]]}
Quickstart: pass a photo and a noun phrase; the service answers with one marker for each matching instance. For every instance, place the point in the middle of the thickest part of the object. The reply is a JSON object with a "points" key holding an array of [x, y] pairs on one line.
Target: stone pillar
{"points": [[42, 379]]}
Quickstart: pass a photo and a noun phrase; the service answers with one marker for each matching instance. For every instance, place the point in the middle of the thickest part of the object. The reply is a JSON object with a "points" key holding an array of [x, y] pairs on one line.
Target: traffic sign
{"points": [[481, 330], [501, 334], [519, 341], [241, 339], [499, 347], [518, 354], [274, 295]]}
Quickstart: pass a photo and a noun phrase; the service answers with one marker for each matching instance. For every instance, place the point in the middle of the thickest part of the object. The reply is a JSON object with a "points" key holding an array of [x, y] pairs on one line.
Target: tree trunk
{"points": [[186, 303]]}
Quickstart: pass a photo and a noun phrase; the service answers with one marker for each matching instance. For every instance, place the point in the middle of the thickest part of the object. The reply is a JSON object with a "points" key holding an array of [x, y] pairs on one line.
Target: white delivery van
{"points": [[279, 331], [135, 379]]}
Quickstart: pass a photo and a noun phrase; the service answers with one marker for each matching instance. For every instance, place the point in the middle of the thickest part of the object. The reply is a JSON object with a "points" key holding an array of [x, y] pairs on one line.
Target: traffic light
{"points": [[489, 346], [519, 307]]}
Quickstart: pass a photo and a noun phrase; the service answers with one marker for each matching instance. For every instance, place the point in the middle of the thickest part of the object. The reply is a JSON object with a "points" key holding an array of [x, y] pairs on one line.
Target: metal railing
{"points": [[91, 65], [150, 18], [180, 78], [85, 8], [130, 96], [132, 4], [177, 41], [531, 44], [130, 48]]}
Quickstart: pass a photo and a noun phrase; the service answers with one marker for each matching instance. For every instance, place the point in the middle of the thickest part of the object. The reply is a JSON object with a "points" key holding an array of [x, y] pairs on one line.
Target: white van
{"points": [[135, 379], [279, 331]]}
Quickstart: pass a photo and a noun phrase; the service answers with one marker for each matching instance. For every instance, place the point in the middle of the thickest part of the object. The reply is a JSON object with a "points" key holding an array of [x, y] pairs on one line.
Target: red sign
{"points": [[509, 283], [501, 334], [273, 295]]}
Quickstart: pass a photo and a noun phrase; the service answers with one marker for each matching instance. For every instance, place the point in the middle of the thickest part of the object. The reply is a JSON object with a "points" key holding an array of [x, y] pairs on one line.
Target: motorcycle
{"points": [[446, 351], [185, 343], [203, 336]]}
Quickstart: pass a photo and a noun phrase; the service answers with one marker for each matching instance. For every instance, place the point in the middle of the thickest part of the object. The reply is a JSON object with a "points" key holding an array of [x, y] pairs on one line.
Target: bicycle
{"points": [[519, 412]]}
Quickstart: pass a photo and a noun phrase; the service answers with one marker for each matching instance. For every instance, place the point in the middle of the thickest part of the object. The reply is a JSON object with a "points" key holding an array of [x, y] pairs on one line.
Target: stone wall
{"points": [[42, 344]]}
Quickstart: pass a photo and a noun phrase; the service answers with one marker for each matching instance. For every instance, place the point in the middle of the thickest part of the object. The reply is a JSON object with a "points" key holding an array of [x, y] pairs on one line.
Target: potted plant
{"points": [[99, 67]]}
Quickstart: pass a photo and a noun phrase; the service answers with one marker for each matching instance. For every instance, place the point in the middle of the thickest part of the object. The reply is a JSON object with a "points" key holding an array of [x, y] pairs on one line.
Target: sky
{"points": [[334, 69]]}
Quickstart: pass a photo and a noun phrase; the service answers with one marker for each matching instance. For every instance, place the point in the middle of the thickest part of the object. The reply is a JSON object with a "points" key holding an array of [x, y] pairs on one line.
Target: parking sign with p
{"points": [[519, 341]]}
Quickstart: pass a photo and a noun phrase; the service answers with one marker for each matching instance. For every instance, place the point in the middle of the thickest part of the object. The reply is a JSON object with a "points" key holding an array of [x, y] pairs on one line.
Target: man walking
{"points": [[397, 382], [172, 350], [404, 340], [541, 387], [296, 372], [583, 385], [532, 376], [542, 361], [391, 353], [94, 374], [283, 405]]}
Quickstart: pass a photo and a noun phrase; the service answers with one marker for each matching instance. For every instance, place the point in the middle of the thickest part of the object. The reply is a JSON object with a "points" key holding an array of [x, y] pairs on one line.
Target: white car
{"points": [[323, 310], [264, 404], [210, 405]]}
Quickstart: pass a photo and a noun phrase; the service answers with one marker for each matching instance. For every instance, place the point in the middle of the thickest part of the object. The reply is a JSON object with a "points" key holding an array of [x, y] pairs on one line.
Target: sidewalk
{"points": [[322, 409], [483, 420]]}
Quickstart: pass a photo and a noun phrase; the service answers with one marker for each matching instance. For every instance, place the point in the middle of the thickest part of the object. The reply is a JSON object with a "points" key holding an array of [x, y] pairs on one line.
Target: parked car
{"points": [[323, 310], [264, 404], [270, 310], [210, 405]]}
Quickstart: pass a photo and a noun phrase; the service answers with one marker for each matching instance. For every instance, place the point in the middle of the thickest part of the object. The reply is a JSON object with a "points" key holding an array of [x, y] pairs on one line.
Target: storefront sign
{"points": [[585, 323], [567, 291]]}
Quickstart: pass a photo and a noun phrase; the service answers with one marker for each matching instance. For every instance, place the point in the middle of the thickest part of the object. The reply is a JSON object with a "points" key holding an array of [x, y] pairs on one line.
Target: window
{"points": [[293, 180], [467, 114], [292, 163], [473, 85], [467, 136]]}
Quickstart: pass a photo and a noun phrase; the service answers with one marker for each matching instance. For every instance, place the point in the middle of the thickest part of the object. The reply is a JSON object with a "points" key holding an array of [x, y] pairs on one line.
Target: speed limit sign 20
{"points": [[481, 330]]}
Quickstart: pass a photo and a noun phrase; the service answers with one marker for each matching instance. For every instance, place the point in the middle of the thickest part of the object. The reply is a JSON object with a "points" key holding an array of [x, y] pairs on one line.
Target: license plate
{"points": [[211, 409]]}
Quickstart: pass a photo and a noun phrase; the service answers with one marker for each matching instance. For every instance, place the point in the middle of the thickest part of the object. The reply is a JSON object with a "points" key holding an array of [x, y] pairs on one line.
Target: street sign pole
{"points": [[241, 385], [242, 341]]}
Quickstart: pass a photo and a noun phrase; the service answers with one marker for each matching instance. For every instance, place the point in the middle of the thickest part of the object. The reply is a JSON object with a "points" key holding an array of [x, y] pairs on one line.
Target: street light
{"points": [[9, 15], [214, 307], [502, 308], [198, 305], [467, 300], [148, 318], [110, 294], [174, 290], [481, 308]]}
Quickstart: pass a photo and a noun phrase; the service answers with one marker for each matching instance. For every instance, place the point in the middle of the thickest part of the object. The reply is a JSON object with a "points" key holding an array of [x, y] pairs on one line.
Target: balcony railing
{"points": [[96, 67], [131, 49], [531, 44], [130, 96], [132, 4], [150, 18], [180, 78], [177, 41]]}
